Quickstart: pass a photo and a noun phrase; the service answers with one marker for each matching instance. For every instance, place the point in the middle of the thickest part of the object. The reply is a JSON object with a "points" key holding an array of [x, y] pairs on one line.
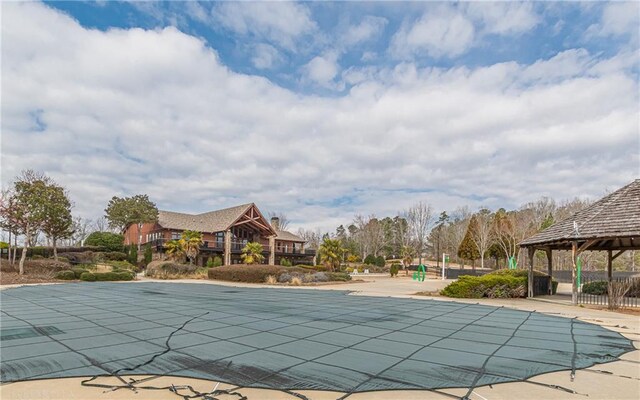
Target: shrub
{"points": [[88, 276], [352, 258], [123, 266], [107, 276], [45, 266], [114, 256], [394, 269], [379, 262], [320, 277], [245, 273], [84, 257], [595, 287], [171, 270], [370, 259], [77, 271], [494, 285], [132, 257], [108, 240], [285, 263], [338, 276], [36, 257], [295, 281], [148, 255], [271, 280], [214, 262], [63, 259], [66, 275]]}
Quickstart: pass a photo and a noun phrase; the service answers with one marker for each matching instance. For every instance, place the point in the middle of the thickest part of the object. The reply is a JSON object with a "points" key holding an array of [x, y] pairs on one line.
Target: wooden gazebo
{"points": [[611, 224]]}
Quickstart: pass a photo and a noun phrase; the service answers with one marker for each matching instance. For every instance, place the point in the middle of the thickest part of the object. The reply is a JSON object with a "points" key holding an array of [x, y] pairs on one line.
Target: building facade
{"points": [[225, 233]]}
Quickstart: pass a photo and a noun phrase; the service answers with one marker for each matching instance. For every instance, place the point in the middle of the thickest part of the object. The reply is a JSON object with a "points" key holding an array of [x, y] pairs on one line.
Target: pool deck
{"points": [[615, 380]]}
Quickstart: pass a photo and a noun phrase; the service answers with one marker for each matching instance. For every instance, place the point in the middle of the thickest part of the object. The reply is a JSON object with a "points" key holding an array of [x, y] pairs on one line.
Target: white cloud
{"points": [[265, 56], [281, 23], [441, 32], [322, 69], [156, 112], [369, 28], [503, 17], [618, 18]]}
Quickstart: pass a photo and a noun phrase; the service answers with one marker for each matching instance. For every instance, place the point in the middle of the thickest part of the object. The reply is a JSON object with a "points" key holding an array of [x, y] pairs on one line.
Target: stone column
{"points": [[227, 247], [272, 250]]}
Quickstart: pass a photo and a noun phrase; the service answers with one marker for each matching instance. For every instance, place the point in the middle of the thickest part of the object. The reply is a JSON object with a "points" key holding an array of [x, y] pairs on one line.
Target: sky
{"points": [[322, 110]]}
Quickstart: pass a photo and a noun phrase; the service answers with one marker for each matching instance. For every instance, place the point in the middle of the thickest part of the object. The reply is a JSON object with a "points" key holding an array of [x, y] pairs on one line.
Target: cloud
{"points": [[369, 28], [503, 18], [322, 69], [441, 32], [618, 19], [280, 23], [122, 112], [265, 56]]}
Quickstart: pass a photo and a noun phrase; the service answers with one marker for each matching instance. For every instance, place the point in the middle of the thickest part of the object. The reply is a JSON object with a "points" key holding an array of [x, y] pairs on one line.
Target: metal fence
{"points": [[601, 297], [564, 275]]}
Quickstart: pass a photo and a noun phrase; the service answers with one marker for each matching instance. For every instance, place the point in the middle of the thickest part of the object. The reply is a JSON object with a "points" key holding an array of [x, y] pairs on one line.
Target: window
{"points": [[175, 235]]}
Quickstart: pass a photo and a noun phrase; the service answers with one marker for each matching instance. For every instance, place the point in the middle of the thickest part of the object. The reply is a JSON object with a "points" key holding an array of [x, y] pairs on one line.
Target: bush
{"points": [[338, 276], [132, 256], [285, 263], [107, 276], [171, 270], [84, 257], [110, 241], [123, 266], [595, 287], [379, 262], [395, 267], [45, 266], [370, 260], [498, 284], [78, 271], [245, 273], [148, 255], [113, 256], [36, 257], [88, 277], [66, 275]]}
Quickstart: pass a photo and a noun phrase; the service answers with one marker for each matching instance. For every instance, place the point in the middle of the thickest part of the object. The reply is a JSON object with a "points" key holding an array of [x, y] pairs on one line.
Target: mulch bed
{"points": [[13, 278]]}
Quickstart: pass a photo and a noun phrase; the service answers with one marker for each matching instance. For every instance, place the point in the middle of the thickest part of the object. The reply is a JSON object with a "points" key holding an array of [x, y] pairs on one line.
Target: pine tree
{"points": [[468, 249]]}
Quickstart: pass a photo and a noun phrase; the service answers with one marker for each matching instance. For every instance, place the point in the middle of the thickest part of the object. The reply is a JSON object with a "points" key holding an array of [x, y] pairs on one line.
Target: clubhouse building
{"points": [[225, 233]]}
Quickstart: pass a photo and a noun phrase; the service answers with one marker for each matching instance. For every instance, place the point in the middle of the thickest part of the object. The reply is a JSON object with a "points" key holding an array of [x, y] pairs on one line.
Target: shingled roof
{"points": [[612, 222], [288, 236], [212, 221]]}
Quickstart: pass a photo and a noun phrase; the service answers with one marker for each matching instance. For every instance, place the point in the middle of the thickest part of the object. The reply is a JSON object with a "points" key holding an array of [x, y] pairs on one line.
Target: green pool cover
{"points": [[286, 338]]}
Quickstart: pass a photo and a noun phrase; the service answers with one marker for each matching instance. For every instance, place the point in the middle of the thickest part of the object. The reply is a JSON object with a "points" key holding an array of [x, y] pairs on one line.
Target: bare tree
{"points": [[420, 220], [482, 232], [82, 228], [312, 240], [370, 234]]}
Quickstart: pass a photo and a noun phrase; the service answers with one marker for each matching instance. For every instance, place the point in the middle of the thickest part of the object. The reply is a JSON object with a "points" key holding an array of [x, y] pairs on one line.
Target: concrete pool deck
{"points": [[615, 380]]}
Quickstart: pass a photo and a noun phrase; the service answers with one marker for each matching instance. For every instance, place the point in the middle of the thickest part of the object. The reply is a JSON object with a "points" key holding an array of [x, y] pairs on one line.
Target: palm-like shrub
{"points": [[174, 250], [252, 253], [190, 243], [330, 252]]}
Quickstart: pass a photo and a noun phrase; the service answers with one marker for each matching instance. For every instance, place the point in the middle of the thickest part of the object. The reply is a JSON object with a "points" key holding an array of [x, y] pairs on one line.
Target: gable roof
{"points": [[212, 221], [286, 235], [614, 217]]}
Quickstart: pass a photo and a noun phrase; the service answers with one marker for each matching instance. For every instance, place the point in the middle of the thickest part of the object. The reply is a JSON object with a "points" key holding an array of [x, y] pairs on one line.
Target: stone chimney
{"points": [[275, 223]]}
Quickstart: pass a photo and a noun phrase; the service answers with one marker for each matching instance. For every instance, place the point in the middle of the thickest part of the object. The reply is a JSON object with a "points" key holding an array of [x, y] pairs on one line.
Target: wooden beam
{"points": [[585, 245], [530, 276], [609, 265], [618, 254]]}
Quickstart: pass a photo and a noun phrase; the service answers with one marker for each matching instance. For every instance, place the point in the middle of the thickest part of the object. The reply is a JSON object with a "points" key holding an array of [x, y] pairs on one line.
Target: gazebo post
{"points": [[550, 268], [574, 272], [609, 265], [532, 251]]}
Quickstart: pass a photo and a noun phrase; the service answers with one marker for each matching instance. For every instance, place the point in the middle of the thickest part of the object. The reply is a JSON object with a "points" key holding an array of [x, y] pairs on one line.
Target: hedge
{"points": [[245, 273], [66, 275], [107, 276]]}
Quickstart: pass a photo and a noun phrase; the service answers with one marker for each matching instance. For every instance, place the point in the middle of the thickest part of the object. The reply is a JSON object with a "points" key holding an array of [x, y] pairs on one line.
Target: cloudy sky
{"points": [[322, 110]]}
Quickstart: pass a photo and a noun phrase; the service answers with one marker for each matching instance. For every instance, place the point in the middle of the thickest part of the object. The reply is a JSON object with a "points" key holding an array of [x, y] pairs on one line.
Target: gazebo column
{"points": [[609, 265], [574, 273], [532, 251], [272, 250], [550, 269]]}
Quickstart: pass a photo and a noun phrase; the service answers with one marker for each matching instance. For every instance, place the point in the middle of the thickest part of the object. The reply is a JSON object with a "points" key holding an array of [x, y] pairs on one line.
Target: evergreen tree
{"points": [[468, 249]]}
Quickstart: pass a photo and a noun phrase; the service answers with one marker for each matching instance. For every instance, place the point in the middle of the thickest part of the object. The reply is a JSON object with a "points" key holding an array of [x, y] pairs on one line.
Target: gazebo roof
{"points": [[611, 223]]}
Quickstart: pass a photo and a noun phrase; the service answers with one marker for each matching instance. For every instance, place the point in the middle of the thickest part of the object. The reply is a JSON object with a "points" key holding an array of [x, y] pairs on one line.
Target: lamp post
{"points": [[445, 258]]}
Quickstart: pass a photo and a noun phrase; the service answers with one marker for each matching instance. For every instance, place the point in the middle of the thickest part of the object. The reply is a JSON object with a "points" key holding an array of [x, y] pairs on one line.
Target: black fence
{"points": [[595, 291], [564, 276]]}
